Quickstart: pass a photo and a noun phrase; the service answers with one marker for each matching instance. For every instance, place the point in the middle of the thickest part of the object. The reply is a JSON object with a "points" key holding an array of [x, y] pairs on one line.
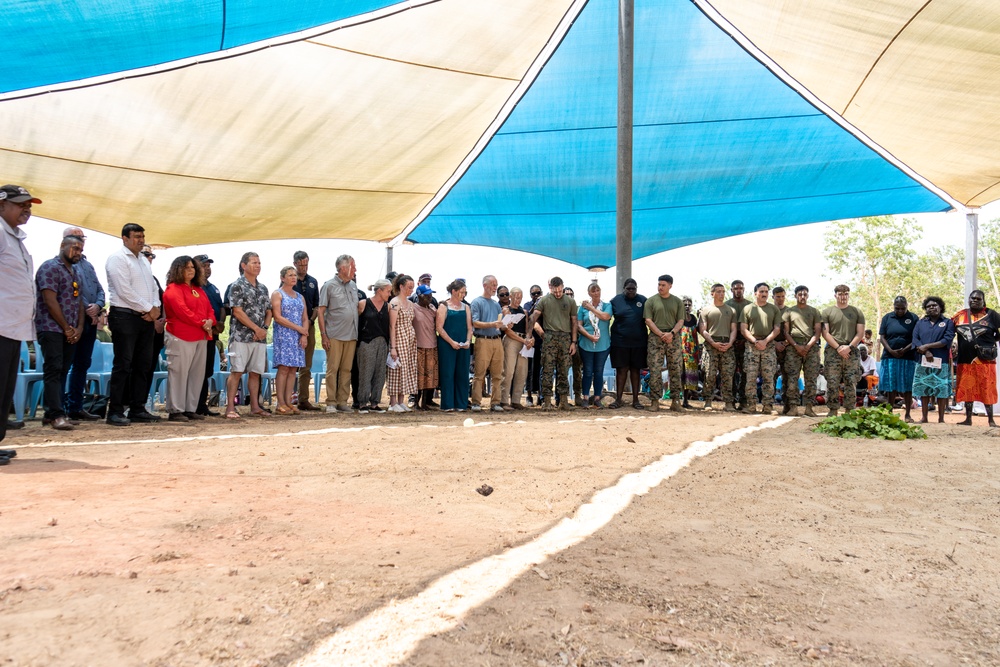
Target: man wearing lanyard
{"points": [[215, 299], [135, 306], [93, 303], [17, 291], [307, 286]]}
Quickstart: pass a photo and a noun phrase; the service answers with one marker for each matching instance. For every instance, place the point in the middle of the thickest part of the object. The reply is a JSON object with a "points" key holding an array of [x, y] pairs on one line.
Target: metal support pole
{"points": [[623, 241], [388, 258], [971, 252]]}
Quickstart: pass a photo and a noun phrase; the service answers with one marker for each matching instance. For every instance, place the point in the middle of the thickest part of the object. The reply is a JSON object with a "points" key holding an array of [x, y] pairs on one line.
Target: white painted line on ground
{"points": [[390, 634], [286, 434]]}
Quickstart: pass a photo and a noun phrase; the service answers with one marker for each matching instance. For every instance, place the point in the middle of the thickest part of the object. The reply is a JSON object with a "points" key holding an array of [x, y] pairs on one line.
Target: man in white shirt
{"points": [[17, 292], [135, 306]]}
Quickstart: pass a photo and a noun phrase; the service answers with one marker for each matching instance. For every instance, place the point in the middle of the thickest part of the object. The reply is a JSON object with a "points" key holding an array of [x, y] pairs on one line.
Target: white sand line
{"points": [[286, 434], [389, 635]]}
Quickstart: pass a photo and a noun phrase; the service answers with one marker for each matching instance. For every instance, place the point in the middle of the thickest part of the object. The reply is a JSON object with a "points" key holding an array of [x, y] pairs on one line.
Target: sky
{"points": [[792, 252]]}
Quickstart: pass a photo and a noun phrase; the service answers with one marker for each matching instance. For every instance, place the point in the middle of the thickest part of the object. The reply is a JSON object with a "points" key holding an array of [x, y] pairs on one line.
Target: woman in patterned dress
{"points": [[291, 332], [978, 330], [401, 381], [932, 346]]}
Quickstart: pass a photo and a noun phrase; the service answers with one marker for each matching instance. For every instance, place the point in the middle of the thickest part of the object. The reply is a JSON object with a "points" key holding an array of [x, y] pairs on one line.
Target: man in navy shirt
{"points": [[307, 286], [214, 298]]}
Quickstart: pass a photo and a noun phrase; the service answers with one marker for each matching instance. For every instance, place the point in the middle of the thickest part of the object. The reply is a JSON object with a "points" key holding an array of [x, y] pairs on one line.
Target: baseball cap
{"points": [[204, 259], [17, 195], [424, 276], [424, 289]]}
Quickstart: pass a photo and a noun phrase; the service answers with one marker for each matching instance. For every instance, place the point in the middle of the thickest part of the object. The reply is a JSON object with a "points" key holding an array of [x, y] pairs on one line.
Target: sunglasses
{"points": [[503, 293], [76, 289], [536, 294], [149, 255]]}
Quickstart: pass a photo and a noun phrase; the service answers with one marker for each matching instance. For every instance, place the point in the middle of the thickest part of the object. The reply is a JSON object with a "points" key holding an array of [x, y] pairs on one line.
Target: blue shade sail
{"points": [[52, 42], [721, 147]]}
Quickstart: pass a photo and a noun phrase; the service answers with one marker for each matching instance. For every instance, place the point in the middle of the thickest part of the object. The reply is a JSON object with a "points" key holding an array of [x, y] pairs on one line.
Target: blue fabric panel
{"points": [[721, 147], [47, 42]]}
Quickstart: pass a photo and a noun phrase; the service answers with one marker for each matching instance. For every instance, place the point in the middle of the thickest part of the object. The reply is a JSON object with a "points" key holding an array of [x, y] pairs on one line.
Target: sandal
{"points": [[282, 410], [614, 405], [233, 415], [260, 413]]}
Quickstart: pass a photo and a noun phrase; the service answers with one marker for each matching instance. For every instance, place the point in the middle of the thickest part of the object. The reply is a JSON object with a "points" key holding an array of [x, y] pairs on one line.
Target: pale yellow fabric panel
{"points": [[337, 143], [928, 100]]}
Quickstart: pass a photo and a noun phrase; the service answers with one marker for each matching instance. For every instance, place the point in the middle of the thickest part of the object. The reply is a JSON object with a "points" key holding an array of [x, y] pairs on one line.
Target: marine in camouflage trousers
{"points": [[796, 364], [723, 363], [837, 371], [555, 359], [765, 364], [656, 350]]}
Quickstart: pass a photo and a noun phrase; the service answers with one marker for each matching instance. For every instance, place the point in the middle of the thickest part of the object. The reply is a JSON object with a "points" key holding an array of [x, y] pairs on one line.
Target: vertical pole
{"points": [[971, 252], [388, 258], [623, 241]]}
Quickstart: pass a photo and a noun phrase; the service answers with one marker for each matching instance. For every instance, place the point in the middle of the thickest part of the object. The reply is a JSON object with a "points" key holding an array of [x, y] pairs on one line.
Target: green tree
{"points": [[938, 272], [989, 247], [874, 256]]}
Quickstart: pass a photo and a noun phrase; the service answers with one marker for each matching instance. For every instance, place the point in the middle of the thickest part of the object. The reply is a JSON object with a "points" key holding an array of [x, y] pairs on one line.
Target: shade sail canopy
{"points": [[488, 122], [921, 78]]}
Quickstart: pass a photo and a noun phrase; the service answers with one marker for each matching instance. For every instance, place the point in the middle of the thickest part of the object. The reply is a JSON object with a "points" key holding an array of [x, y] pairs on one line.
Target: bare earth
{"points": [[785, 548]]}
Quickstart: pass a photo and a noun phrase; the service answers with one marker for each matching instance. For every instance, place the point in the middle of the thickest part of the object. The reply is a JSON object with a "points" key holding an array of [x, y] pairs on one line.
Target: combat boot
{"points": [[767, 409], [809, 412], [833, 412], [654, 404], [564, 404], [786, 409], [708, 406], [545, 404], [675, 406], [729, 407]]}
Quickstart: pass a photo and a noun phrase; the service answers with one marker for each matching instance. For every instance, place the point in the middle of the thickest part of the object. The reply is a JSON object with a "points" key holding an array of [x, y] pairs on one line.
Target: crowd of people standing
{"points": [[401, 341]]}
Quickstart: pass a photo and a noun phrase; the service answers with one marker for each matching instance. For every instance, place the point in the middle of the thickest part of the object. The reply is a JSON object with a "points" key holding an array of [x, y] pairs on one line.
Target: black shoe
{"points": [[193, 416], [143, 416], [4, 460], [14, 426], [66, 420], [8, 453], [83, 415], [63, 423], [207, 413], [117, 420], [175, 417]]}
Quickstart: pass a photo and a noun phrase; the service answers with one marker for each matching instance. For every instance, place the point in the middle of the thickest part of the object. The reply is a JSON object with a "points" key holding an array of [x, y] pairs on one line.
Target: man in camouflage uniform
{"points": [[738, 303], [760, 326], [664, 315], [559, 343], [780, 345], [718, 328], [802, 328], [576, 363], [843, 329]]}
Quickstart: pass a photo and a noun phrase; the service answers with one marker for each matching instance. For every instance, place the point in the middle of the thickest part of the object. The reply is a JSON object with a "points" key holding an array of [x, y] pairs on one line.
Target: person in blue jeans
{"points": [[454, 329], [593, 320]]}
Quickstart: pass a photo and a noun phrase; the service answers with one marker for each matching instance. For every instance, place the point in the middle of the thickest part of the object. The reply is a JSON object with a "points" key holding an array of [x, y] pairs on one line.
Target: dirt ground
{"points": [[246, 544]]}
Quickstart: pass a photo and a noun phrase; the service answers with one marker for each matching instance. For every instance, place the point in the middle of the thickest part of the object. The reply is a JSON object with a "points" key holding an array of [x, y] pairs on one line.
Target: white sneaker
{"points": [[406, 408], [331, 408], [477, 408], [398, 407]]}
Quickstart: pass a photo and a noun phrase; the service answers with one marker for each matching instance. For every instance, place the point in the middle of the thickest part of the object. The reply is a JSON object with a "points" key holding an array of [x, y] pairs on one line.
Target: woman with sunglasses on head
{"points": [[189, 322]]}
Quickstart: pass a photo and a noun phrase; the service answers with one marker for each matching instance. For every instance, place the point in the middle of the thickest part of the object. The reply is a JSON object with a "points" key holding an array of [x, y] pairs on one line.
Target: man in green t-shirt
{"points": [[559, 343], [718, 327], [664, 315], [843, 329], [760, 326], [778, 297], [738, 303], [802, 328]]}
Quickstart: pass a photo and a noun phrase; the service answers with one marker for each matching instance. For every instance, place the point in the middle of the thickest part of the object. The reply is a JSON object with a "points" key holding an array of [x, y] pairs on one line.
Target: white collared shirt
{"points": [[130, 282], [17, 285]]}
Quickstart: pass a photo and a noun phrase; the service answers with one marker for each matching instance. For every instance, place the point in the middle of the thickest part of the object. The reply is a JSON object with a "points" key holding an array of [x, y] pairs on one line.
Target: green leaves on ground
{"points": [[873, 422]]}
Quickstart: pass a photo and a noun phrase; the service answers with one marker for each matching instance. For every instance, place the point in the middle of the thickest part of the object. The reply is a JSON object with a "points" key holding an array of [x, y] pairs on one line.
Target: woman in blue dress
{"points": [[932, 351], [291, 332], [454, 328]]}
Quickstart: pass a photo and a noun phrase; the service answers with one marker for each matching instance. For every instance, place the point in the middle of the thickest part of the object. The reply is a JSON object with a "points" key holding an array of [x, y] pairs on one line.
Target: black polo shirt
{"points": [[898, 331], [309, 289]]}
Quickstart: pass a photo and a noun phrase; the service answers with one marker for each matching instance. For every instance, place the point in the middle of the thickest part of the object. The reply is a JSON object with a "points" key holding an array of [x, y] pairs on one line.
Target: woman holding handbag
{"points": [[978, 330]]}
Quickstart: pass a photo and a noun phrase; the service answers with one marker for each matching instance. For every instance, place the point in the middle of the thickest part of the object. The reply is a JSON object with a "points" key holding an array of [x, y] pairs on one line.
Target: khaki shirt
{"points": [[761, 320], [843, 324], [558, 312], [801, 322], [665, 313], [718, 321]]}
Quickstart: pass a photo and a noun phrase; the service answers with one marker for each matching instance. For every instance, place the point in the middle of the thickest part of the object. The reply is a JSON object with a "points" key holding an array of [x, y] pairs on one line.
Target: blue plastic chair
{"points": [[318, 372], [29, 378], [100, 367], [159, 383]]}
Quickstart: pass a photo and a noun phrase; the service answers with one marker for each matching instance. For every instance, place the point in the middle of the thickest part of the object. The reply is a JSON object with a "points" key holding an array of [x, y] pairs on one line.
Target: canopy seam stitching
{"points": [[410, 62]]}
